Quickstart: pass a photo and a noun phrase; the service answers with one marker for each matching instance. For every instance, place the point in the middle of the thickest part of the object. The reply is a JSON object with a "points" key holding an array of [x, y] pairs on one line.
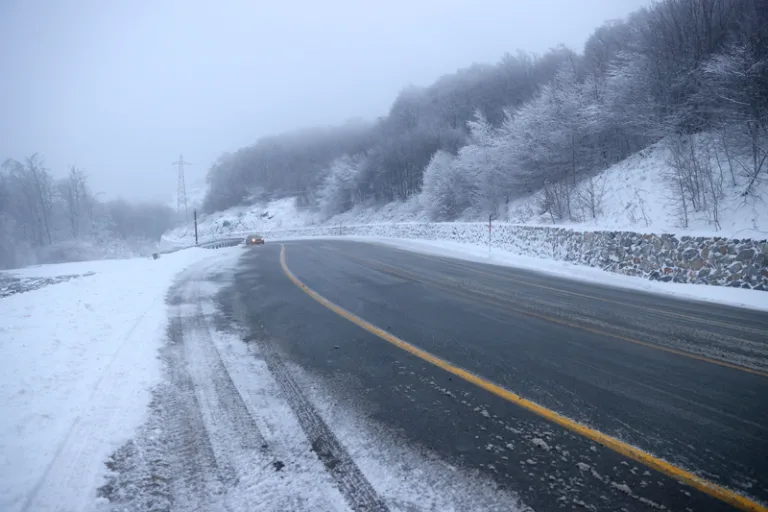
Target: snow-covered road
{"points": [[236, 427], [138, 388]]}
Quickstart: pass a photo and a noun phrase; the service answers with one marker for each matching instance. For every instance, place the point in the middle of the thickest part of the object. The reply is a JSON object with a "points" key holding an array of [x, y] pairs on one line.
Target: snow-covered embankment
{"points": [[79, 358]]}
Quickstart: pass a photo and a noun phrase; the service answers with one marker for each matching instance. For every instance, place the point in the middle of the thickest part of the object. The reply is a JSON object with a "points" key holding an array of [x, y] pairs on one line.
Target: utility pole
{"points": [[181, 193], [195, 226]]}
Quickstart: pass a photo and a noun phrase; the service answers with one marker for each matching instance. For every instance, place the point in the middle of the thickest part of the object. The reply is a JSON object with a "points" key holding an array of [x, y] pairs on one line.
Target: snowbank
{"points": [[78, 359]]}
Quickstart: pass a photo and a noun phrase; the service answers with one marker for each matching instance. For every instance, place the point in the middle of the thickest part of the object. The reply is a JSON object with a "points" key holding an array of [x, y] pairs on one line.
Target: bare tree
{"points": [[695, 177], [724, 143], [73, 190], [590, 196], [43, 186], [34, 191], [736, 84], [555, 200], [714, 183]]}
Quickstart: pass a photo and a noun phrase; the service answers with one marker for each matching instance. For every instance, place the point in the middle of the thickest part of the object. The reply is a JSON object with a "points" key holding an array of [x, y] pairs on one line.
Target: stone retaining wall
{"points": [[699, 260]]}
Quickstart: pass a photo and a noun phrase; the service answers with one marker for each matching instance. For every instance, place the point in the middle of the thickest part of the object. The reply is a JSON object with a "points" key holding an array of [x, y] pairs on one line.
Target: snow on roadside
{"points": [[737, 297], [407, 476], [78, 359], [249, 451], [404, 476]]}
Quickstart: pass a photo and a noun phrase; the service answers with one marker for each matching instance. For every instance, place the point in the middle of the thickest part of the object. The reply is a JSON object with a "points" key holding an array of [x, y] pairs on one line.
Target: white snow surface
{"points": [[78, 360], [718, 294]]}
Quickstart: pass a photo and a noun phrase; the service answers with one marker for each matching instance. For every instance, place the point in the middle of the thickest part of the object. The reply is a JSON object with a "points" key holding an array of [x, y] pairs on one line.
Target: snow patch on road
{"points": [[407, 478], [78, 359]]}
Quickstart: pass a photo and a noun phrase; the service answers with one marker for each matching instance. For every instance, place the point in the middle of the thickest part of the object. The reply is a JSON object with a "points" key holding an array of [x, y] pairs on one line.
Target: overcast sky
{"points": [[122, 87]]}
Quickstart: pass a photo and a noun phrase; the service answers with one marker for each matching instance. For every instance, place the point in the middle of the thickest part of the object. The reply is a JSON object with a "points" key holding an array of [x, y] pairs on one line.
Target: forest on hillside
{"points": [[485, 135]]}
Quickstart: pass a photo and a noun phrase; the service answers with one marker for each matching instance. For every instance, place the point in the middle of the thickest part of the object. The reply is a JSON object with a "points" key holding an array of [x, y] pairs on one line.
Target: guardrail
{"points": [[218, 244]]}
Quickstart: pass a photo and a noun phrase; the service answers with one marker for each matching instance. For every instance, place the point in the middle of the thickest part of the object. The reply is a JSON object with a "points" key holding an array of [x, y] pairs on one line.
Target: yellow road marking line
{"points": [[492, 300], [632, 452]]}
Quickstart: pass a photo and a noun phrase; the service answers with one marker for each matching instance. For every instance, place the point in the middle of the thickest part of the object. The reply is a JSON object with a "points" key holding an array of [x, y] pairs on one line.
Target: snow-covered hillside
{"points": [[633, 195], [636, 196], [279, 214]]}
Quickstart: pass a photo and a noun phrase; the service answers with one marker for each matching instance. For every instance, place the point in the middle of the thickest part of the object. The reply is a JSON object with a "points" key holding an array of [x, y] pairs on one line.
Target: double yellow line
{"points": [[632, 452]]}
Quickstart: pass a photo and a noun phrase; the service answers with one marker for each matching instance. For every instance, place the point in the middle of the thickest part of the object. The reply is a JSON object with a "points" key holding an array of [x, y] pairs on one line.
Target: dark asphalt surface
{"points": [[576, 348]]}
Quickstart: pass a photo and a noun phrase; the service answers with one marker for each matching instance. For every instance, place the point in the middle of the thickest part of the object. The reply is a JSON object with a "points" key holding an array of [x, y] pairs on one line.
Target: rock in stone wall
{"points": [[698, 260]]}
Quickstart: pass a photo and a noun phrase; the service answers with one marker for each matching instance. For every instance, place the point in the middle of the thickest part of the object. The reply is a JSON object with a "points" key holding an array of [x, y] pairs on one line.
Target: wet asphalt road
{"points": [[642, 368]]}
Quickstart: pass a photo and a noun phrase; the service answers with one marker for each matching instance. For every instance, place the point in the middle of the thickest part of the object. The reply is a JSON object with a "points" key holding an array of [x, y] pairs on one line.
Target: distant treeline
{"points": [[45, 219]]}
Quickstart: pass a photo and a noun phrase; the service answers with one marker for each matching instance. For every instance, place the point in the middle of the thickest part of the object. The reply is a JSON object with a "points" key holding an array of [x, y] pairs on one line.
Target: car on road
{"points": [[254, 240]]}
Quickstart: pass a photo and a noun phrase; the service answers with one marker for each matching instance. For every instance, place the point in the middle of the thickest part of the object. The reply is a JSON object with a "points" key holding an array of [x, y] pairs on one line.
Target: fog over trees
{"points": [[45, 220], [689, 74], [693, 73]]}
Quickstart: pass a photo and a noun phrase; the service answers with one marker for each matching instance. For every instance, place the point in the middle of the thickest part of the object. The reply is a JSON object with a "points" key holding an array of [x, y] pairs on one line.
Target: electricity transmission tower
{"points": [[181, 193]]}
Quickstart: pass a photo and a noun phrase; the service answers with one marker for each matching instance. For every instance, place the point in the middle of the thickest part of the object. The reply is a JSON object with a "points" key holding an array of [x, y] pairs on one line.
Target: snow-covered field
{"points": [[78, 360]]}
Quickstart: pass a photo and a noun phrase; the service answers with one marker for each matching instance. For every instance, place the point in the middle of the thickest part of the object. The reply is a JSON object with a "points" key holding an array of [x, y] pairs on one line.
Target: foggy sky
{"points": [[122, 87]]}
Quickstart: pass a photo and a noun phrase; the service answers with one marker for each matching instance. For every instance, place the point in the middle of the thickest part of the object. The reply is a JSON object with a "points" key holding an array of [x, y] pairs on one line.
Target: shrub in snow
{"points": [[68, 251]]}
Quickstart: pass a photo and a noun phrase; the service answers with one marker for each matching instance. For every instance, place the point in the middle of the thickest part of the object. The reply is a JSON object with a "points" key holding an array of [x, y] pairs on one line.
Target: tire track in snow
{"points": [[356, 489], [359, 493], [194, 469], [202, 449], [236, 437]]}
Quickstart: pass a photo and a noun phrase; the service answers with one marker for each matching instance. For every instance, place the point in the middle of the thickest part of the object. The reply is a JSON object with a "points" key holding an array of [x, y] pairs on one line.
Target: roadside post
{"points": [[195, 226], [490, 228]]}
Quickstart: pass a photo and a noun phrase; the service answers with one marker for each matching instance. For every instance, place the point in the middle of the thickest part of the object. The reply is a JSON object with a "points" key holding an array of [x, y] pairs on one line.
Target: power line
{"points": [[181, 192]]}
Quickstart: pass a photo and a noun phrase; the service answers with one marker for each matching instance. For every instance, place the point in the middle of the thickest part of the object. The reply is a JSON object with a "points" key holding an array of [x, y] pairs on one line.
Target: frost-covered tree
{"points": [[340, 190], [33, 197], [447, 191]]}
